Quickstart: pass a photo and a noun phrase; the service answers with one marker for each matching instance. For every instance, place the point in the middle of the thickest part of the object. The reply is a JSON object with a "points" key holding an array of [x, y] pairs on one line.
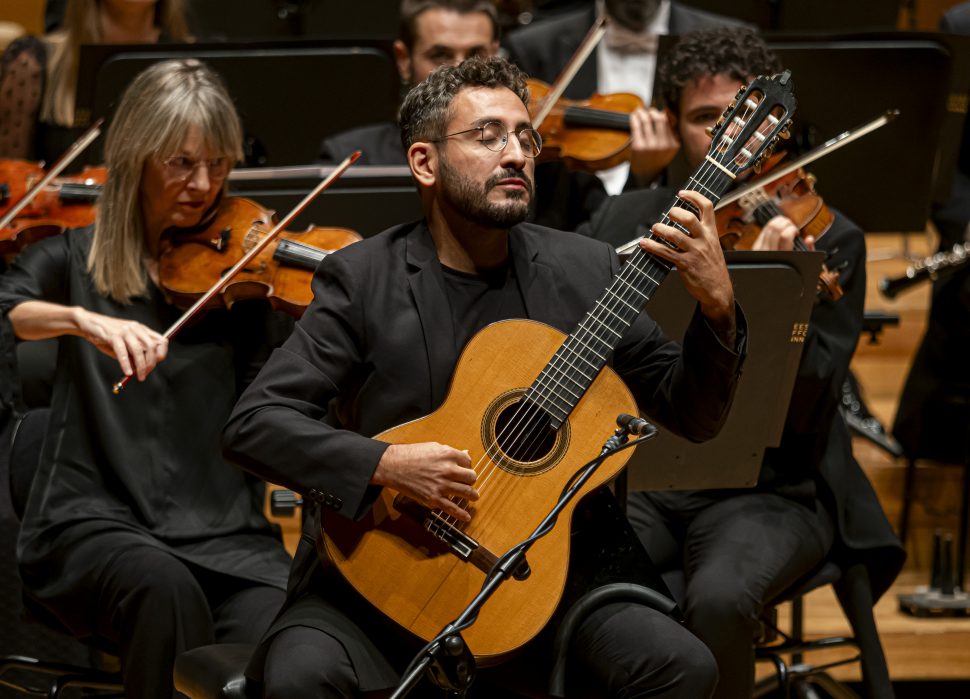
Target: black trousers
{"points": [[150, 606], [621, 650], [737, 552]]}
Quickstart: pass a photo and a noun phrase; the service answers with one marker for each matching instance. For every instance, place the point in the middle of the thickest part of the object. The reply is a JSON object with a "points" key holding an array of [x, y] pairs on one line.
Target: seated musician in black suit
{"points": [[378, 346], [740, 548], [432, 33]]}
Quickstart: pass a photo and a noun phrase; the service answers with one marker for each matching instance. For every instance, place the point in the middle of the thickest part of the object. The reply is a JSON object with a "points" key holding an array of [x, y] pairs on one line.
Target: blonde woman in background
{"points": [[38, 77]]}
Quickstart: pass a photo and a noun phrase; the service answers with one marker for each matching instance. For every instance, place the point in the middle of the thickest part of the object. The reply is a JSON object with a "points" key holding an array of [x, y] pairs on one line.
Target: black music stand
{"points": [[887, 180], [289, 94], [777, 292], [366, 198]]}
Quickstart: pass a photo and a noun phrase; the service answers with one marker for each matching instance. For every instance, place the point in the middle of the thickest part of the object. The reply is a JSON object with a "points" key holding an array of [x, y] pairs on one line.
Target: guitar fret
{"points": [[548, 371], [592, 332], [580, 341], [620, 299], [644, 273], [709, 193], [615, 315], [632, 288], [577, 396]]}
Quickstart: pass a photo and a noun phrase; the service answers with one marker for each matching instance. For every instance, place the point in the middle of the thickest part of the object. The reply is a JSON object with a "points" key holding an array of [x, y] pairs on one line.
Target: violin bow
{"points": [[830, 146], [590, 42], [250, 256], [78, 147]]}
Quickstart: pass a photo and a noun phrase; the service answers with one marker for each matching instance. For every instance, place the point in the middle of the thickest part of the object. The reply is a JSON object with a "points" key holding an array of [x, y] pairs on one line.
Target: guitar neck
{"points": [[568, 375]]}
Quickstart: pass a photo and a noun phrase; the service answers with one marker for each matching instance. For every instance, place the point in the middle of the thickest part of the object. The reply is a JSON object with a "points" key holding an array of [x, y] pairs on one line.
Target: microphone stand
{"points": [[446, 658]]}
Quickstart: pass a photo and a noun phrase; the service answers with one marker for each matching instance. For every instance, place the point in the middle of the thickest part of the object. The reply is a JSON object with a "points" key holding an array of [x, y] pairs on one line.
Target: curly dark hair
{"points": [[425, 112], [737, 52]]}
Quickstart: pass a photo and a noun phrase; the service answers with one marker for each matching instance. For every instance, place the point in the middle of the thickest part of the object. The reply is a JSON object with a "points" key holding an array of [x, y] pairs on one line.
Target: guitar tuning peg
{"points": [[785, 133], [709, 131]]}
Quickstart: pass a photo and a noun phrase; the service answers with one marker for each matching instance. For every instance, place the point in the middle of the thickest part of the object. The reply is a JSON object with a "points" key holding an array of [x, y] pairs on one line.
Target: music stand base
{"points": [[926, 602]]}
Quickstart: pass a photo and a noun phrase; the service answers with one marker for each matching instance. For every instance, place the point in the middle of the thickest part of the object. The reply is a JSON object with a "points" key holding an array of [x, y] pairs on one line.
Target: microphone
{"points": [[634, 425]]}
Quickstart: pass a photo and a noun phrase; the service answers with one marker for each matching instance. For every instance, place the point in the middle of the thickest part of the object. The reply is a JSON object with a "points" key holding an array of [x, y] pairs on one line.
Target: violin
{"points": [[192, 262], [740, 219], [67, 202], [588, 135], [251, 248]]}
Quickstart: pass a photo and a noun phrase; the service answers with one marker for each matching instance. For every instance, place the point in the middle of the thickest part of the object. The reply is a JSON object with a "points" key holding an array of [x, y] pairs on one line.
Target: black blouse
{"points": [[146, 462]]}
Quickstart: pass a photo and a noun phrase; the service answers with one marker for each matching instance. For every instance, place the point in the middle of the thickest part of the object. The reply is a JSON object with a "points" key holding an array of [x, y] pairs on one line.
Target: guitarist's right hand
{"points": [[430, 473]]}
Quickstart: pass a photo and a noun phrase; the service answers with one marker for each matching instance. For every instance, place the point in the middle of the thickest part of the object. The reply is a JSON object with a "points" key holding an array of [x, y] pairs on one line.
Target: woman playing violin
{"points": [[810, 491], [137, 535]]}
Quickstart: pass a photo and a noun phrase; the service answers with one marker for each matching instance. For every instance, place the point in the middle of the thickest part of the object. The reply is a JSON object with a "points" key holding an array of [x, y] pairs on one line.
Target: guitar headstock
{"points": [[748, 130]]}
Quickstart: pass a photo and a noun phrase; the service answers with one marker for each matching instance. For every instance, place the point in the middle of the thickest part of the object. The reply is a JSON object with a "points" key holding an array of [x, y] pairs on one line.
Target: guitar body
{"points": [[418, 580]]}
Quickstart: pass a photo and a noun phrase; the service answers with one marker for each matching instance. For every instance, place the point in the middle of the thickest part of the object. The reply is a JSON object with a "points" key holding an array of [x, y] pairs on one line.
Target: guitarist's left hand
{"points": [[700, 261]]}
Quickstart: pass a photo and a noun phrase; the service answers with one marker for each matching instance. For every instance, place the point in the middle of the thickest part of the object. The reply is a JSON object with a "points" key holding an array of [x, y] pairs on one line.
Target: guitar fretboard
{"points": [[564, 380]]}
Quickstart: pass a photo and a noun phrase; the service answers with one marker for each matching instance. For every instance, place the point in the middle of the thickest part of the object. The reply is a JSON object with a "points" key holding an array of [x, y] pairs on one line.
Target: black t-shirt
{"points": [[478, 300]]}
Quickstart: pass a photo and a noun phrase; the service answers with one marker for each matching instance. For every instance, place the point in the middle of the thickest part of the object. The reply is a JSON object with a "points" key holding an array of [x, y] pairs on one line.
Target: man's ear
{"points": [[403, 57], [423, 159]]}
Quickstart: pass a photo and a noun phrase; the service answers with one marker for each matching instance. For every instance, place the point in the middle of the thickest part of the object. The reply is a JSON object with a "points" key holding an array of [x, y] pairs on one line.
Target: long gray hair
{"points": [[156, 112]]}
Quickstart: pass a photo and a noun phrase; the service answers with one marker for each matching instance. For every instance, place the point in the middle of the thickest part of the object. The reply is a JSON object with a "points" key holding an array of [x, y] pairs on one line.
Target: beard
{"points": [[471, 200]]}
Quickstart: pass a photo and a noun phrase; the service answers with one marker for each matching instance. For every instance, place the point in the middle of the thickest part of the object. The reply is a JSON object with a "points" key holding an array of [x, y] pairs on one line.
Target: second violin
{"points": [[587, 135]]}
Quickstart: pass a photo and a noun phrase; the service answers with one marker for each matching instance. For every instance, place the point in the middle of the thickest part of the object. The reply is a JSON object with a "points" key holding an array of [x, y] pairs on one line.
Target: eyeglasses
{"points": [[495, 137], [181, 168]]}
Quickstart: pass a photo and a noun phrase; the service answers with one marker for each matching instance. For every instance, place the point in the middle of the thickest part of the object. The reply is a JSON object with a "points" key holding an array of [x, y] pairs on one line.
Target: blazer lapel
{"points": [[537, 280], [427, 284]]}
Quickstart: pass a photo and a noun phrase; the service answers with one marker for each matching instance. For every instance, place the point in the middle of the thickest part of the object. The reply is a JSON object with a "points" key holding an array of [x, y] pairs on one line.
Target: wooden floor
{"points": [[917, 649]]}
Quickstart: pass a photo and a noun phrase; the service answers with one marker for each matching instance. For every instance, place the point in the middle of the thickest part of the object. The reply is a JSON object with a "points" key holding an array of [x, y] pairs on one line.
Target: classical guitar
{"points": [[531, 406]]}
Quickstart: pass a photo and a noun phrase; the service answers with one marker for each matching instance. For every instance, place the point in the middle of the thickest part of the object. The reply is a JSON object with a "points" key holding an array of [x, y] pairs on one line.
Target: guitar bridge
{"points": [[457, 541]]}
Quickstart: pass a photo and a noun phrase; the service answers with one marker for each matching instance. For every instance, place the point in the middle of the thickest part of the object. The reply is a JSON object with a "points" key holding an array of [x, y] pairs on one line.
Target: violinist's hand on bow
{"points": [[654, 144], [137, 347], [779, 234], [698, 257], [436, 475]]}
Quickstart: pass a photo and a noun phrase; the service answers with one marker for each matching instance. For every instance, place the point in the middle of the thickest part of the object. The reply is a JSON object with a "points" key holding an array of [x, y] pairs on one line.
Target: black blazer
{"points": [[377, 348], [545, 48], [815, 455]]}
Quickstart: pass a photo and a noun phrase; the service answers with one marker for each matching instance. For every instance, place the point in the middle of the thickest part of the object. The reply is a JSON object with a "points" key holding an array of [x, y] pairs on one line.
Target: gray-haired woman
{"points": [[137, 535]]}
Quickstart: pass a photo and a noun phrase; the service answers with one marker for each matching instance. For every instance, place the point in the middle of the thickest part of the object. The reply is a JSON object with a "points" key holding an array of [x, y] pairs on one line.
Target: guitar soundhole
{"points": [[518, 436]]}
